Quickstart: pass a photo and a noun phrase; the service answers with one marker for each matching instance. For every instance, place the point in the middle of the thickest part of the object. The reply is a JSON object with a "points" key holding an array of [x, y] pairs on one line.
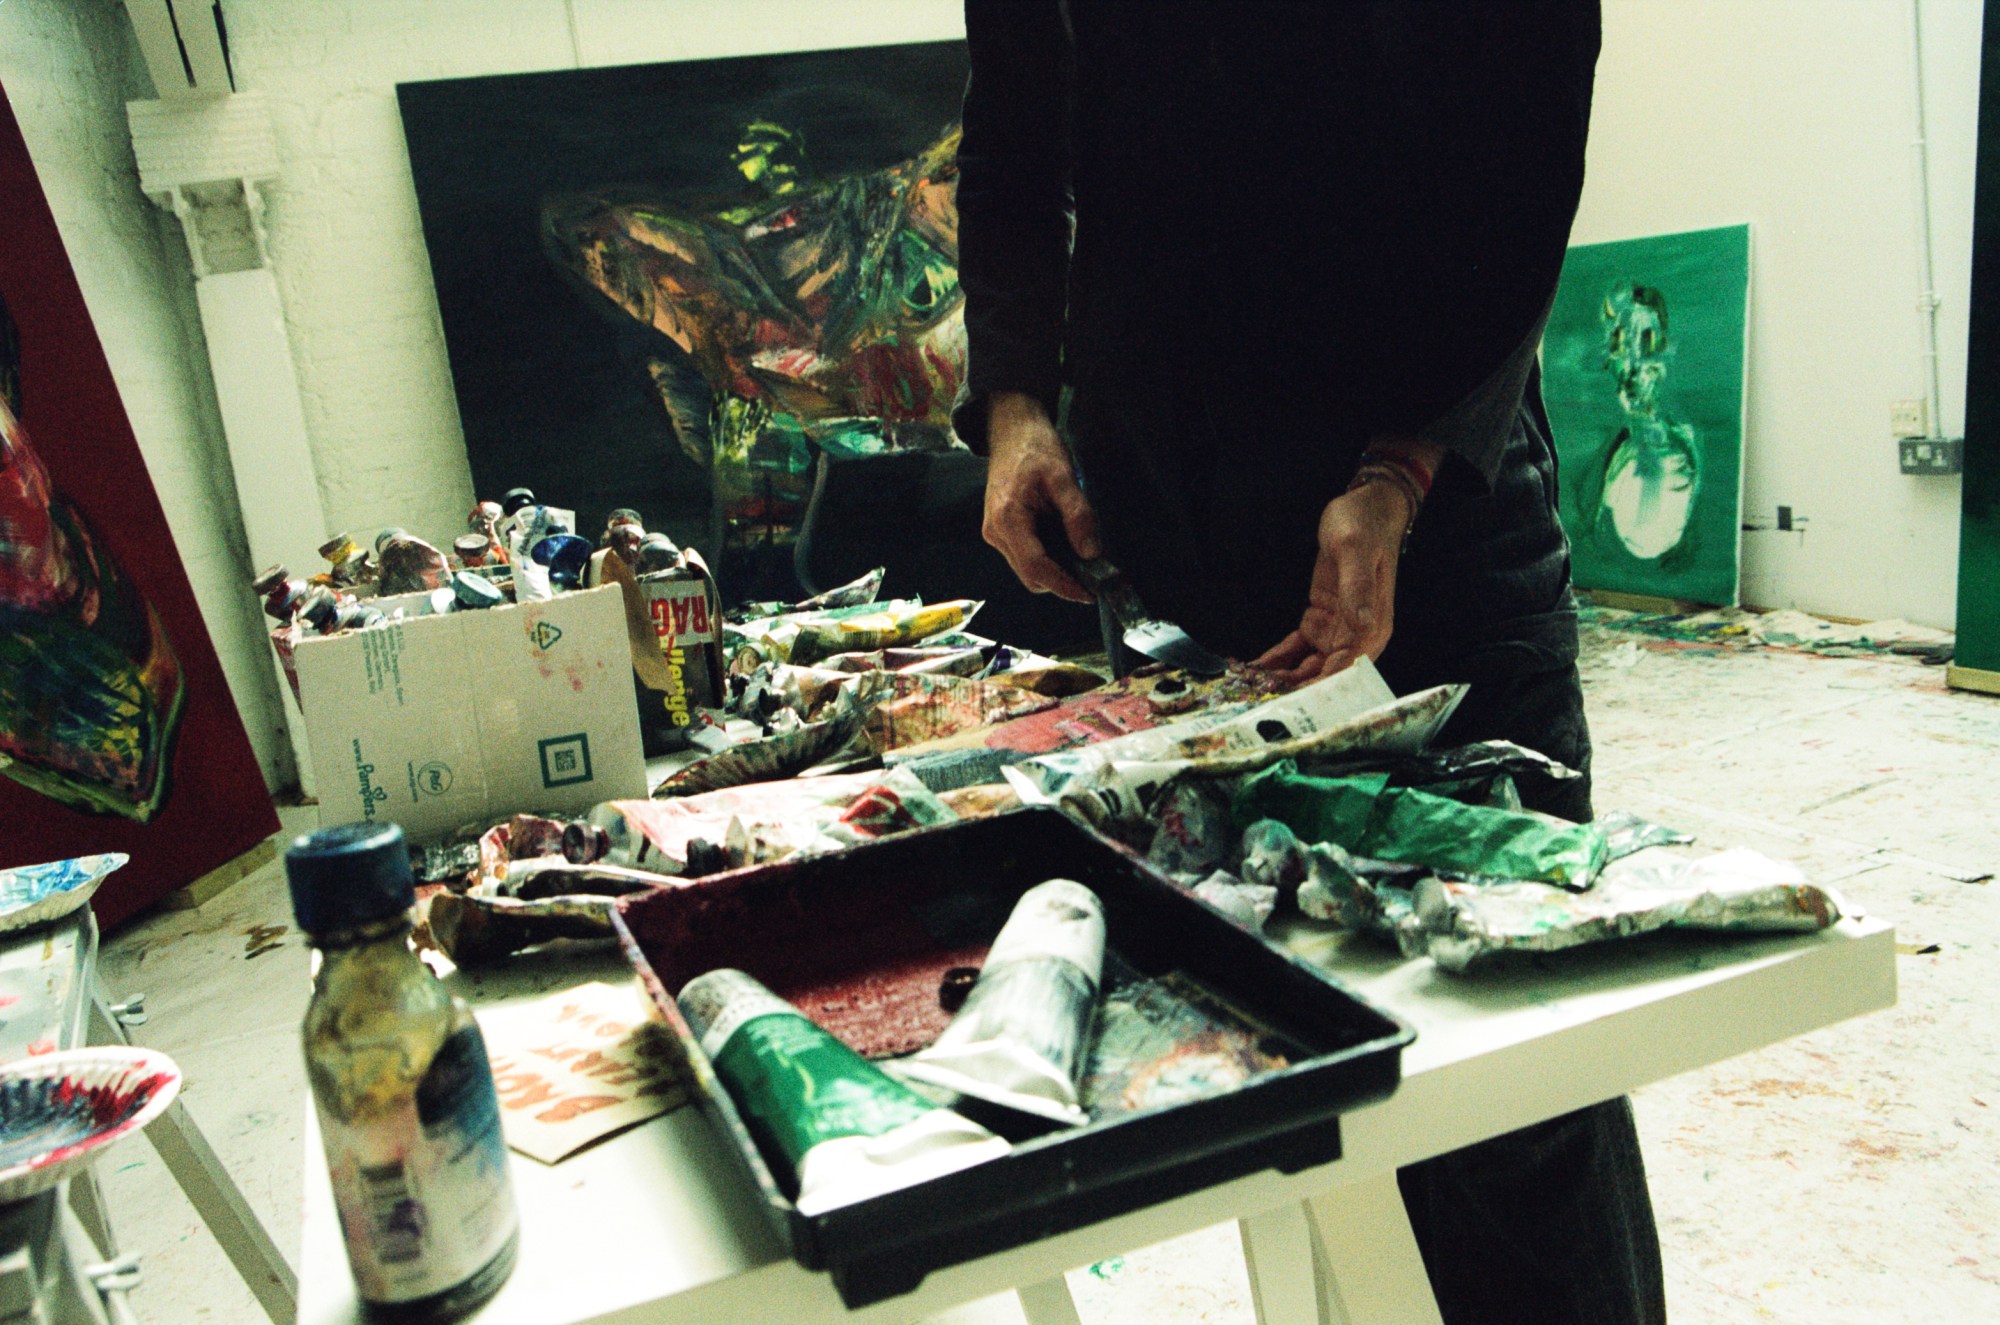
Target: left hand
{"points": [[1351, 607]]}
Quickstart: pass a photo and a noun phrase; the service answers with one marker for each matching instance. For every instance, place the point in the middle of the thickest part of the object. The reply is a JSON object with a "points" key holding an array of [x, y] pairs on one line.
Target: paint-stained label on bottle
{"points": [[422, 1187]]}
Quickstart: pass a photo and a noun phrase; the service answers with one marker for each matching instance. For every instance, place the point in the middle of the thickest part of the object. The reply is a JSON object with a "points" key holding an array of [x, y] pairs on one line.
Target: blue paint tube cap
{"points": [[565, 555], [346, 877]]}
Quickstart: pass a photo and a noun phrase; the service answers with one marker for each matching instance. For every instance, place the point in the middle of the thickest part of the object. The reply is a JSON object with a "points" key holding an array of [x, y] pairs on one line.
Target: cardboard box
{"points": [[437, 722]]}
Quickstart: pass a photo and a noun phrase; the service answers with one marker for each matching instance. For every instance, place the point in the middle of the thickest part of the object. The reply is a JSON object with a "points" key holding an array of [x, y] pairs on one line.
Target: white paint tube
{"points": [[845, 1129], [1020, 1039]]}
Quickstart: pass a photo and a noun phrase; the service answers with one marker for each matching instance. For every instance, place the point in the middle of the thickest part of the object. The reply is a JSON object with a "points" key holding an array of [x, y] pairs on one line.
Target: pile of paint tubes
{"points": [[516, 549], [842, 1129]]}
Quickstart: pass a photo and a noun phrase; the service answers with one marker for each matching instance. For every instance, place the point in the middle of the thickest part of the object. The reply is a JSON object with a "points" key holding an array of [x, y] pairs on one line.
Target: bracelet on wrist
{"points": [[1393, 477], [1417, 471]]}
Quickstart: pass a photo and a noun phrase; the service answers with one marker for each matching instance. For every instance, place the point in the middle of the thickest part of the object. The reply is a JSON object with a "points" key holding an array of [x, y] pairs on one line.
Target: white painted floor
{"points": [[1849, 1176]]}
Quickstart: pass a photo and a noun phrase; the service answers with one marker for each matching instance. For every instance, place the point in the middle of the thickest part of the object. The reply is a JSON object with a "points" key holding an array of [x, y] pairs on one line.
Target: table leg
{"points": [[87, 1201], [1048, 1303], [213, 1193], [1345, 1257], [1367, 1256], [1284, 1283]]}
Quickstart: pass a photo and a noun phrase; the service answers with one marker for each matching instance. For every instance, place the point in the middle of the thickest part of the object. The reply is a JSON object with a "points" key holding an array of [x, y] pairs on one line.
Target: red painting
{"points": [[117, 730]]}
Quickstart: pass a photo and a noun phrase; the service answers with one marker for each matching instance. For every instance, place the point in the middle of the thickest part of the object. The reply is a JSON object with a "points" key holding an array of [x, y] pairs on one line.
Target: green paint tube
{"points": [[1364, 815], [846, 1129]]}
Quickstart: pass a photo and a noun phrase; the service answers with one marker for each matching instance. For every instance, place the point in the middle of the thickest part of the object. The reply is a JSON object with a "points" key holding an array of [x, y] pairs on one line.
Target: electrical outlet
{"points": [[1931, 455], [1909, 418]]}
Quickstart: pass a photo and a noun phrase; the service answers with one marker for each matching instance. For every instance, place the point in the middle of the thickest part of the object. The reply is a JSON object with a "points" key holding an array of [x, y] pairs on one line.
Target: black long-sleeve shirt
{"points": [[1251, 238]]}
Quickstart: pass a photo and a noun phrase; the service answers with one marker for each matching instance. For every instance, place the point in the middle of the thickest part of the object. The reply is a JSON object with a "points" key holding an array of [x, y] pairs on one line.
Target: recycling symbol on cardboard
{"points": [[544, 635]]}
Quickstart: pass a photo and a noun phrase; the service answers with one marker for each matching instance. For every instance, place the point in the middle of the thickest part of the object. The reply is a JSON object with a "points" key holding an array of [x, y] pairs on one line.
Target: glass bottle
{"points": [[405, 1096]]}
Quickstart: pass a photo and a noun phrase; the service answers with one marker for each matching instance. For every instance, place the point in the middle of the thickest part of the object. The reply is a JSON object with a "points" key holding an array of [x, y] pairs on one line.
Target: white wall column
{"points": [[205, 158]]}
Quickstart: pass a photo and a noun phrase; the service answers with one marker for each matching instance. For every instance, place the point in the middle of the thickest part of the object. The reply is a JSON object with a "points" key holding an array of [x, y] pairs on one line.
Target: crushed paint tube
{"points": [[542, 878], [855, 593], [947, 660], [836, 1128], [1194, 832], [1364, 815], [895, 803], [1627, 834], [1119, 708], [1460, 925], [1019, 1041], [1169, 1041], [1353, 891], [1248, 904], [473, 929], [785, 754], [879, 630], [449, 862], [922, 707], [979, 802], [1272, 856], [1326, 706], [747, 644], [761, 822], [1048, 676], [1481, 773], [409, 564], [1117, 797]]}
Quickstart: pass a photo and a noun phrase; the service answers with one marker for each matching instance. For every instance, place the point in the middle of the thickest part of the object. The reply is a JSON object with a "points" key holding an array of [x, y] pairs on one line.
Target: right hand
{"points": [[1028, 472]]}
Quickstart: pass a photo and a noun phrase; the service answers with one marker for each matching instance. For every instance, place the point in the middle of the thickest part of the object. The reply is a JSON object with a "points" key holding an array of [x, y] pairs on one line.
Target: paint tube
{"points": [[836, 1127], [772, 639], [1248, 904], [526, 526], [854, 593], [1628, 834], [345, 559], [1364, 815], [1351, 710], [1272, 855], [1460, 925], [879, 630], [1048, 676], [1370, 896], [409, 564], [1194, 832], [1019, 1041]]}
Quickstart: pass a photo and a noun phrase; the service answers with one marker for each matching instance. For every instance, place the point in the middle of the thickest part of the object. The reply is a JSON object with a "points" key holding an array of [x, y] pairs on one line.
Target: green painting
{"points": [[1642, 371]]}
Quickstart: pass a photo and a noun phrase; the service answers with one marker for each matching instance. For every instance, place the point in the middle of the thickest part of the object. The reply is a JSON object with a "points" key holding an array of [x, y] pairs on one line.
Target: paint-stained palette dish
{"points": [[33, 895], [59, 1111]]}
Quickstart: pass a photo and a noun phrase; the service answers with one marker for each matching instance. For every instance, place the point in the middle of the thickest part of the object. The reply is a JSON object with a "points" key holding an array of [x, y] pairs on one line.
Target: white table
{"points": [[652, 1226]]}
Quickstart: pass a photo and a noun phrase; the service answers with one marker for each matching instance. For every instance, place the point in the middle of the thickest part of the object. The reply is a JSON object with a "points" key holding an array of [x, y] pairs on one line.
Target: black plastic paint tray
{"points": [[951, 888]]}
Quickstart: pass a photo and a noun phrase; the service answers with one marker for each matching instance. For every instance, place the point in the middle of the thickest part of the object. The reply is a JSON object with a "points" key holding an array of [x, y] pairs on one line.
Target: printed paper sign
{"points": [[575, 1067]]}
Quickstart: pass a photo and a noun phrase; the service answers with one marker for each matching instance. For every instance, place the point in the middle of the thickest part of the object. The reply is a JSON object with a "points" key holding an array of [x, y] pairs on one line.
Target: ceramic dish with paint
{"points": [[59, 1111], [33, 895]]}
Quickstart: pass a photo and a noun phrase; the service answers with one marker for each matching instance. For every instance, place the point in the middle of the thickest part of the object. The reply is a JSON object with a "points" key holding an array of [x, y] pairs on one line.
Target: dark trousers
{"points": [[1550, 1225]]}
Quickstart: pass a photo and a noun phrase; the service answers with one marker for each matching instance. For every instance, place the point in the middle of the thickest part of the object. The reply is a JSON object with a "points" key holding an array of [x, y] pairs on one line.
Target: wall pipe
{"points": [[1927, 302]]}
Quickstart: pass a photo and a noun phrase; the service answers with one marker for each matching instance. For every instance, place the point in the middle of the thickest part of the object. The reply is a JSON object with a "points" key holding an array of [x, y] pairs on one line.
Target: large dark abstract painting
{"points": [[677, 287], [117, 730]]}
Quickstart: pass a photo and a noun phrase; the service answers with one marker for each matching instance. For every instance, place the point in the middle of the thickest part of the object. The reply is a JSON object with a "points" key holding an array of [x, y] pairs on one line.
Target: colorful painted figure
{"points": [[90, 688], [817, 314], [1651, 475]]}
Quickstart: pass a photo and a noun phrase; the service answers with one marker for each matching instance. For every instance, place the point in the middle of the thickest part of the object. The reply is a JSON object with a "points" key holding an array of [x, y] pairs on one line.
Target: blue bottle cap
{"points": [[565, 555], [346, 877]]}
